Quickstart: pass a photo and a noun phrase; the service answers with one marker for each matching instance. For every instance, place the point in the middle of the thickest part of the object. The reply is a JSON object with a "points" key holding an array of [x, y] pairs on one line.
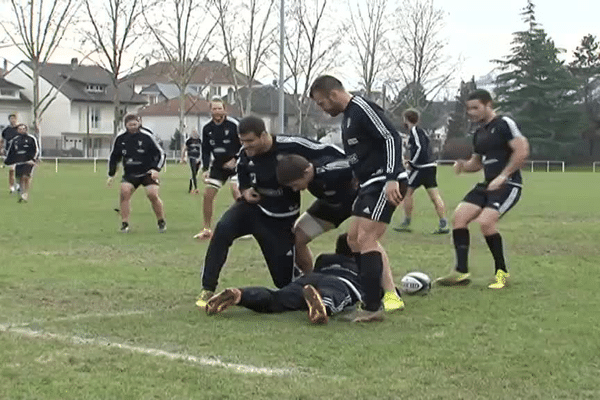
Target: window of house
{"points": [[12, 93], [94, 117], [95, 88], [215, 91]]}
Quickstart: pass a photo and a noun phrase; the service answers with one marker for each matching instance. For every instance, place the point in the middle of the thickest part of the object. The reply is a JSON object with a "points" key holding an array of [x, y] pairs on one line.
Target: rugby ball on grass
{"points": [[415, 283]]}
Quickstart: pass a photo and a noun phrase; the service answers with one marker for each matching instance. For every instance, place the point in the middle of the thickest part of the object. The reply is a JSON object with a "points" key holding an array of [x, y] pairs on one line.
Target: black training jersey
{"points": [[334, 182], [371, 142], [221, 141], [139, 151], [23, 148], [342, 267], [8, 134], [193, 146], [258, 172], [420, 149], [490, 141]]}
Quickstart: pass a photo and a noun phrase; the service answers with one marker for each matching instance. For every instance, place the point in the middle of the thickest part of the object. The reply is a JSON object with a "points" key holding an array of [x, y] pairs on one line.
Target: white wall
{"points": [[164, 126], [57, 116]]}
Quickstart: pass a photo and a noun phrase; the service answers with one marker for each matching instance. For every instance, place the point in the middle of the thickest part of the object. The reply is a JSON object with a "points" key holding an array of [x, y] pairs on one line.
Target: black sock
{"points": [[461, 240], [371, 267], [124, 224], [160, 221], [494, 242]]}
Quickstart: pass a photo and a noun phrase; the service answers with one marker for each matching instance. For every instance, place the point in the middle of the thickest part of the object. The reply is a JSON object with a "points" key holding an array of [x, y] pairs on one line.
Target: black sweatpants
{"points": [[274, 236], [194, 166], [336, 295]]}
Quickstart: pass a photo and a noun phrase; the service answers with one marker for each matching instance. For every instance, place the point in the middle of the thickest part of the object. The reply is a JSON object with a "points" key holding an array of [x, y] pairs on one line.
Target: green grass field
{"points": [[88, 313]]}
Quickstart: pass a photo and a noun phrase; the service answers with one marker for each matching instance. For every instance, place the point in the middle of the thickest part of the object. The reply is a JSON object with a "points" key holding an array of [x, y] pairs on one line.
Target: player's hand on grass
{"points": [[251, 195], [392, 191], [109, 181]]}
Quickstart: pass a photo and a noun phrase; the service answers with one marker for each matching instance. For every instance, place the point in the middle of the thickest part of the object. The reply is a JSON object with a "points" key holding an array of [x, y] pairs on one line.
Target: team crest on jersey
{"points": [[140, 143], [226, 132], [348, 122], [352, 141]]}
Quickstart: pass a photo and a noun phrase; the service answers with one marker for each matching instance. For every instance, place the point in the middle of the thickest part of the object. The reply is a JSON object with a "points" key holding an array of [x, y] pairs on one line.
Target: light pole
{"points": [[281, 63]]}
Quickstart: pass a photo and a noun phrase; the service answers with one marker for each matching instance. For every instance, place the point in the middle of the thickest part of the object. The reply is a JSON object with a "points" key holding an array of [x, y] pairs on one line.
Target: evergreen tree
{"points": [[538, 89], [458, 124], [586, 67]]}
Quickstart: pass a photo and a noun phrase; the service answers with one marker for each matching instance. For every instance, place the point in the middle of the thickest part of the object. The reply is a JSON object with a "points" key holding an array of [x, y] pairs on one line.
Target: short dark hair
{"points": [[251, 124], [482, 95], [12, 115], [325, 84], [341, 245], [411, 115], [130, 117], [290, 167]]}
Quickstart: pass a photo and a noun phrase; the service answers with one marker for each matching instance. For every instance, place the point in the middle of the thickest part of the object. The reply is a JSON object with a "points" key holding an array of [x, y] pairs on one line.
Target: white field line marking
{"points": [[83, 316], [204, 361]]}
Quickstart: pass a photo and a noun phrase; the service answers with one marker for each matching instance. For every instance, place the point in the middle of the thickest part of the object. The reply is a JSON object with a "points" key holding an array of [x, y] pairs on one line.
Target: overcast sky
{"points": [[480, 30]]}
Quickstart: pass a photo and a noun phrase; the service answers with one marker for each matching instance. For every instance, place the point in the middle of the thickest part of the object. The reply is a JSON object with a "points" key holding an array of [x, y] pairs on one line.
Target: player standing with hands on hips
{"points": [[374, 149], [143, 159], [500, 149]]}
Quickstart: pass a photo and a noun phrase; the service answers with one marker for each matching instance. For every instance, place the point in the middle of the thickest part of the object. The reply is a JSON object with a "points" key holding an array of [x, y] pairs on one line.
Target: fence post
{"points": [[56, 164]]}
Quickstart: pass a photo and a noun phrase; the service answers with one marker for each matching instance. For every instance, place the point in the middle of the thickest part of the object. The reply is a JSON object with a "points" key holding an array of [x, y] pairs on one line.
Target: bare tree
{"points": [[368, 37], [111, 30], [183, 31], [421, 67], [36, 29], [311, 48], [252, 44]]}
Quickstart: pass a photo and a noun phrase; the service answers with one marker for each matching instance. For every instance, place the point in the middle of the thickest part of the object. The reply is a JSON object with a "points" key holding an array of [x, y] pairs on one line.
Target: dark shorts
{"points": [[423, 177], [136, 181], [371, 202], [500, 200], [336, 214], [23, 170], [217, 176]]}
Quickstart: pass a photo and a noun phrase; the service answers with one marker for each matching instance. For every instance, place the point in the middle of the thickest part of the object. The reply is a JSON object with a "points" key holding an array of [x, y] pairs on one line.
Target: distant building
{"points": [[79, 120]]}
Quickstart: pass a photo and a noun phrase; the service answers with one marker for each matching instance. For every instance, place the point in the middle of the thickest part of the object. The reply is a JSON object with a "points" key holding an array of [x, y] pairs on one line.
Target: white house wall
{"points": [[56, 117], [164, 126]]}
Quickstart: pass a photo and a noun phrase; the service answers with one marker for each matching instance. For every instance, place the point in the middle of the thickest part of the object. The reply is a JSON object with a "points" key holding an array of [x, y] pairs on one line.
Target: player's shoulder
{"points": [[508, 125], [232, 121]]}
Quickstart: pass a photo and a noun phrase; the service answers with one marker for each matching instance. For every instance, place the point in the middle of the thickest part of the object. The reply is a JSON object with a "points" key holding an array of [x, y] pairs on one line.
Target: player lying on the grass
{"points": [[500, 149], [329, 289], [23, 152], [332, 182], [142, 160], [267, 210]]}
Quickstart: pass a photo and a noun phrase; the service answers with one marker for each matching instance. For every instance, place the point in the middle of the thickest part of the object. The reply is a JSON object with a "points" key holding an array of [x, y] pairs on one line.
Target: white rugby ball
{"points": [[415, 283]]}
